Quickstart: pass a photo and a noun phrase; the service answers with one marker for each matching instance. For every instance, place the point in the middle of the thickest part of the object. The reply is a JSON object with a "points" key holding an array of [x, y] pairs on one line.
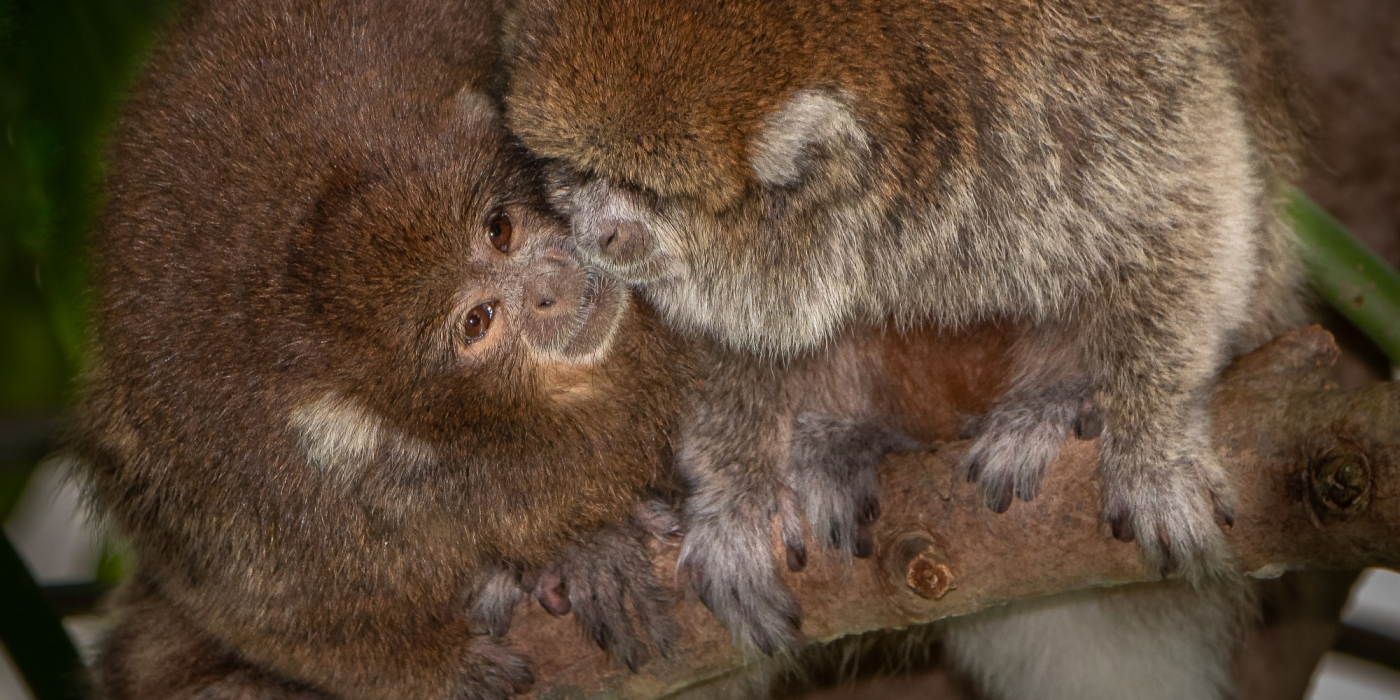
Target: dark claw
{"points": [[974, 470], [1122, 530], [794, 619], [1088, 425], [525, 682], [999, 499], [869, 511], [637, 660], [796, 556], [1169, 562], [1224, 517], [865, 542]]}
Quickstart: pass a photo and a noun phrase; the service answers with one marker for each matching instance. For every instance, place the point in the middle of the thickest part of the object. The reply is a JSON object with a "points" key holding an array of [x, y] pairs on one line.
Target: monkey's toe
{"points": [[604, 573], [796, 555], [492, 671], [1088, 423], [552, 594], [865, 542]]}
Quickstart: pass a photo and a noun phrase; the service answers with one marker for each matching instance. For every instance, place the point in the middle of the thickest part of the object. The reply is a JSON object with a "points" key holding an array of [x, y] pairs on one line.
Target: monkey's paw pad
{"points": [[731, 568], [601, 574], [1175, 518], [1016, 444]]}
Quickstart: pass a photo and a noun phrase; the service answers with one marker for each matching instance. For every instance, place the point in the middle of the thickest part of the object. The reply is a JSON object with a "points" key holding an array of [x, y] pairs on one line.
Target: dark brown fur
{"points": [[319, 475]]}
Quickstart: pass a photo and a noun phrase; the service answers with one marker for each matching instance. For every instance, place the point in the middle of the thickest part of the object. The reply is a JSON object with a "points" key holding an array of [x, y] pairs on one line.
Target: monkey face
{"points": [[439, 289]]}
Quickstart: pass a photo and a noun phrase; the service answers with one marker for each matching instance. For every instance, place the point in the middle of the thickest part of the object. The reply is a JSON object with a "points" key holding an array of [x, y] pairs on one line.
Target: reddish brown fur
{"points": [[158, 654], [937, 381]]}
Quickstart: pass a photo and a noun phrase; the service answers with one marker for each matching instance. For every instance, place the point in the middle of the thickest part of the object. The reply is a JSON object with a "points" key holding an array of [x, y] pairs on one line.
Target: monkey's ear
{"points": [[813, 128]]}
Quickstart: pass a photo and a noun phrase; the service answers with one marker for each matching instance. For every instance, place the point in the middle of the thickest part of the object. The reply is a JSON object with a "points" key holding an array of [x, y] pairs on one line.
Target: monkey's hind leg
{"points": [[732, 452], [1163, 483]]}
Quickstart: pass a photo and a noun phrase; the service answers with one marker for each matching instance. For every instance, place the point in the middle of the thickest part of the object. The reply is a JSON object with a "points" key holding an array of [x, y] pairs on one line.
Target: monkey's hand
{"points": [[1022, 435], [596, 576], [728, 560], [835, 474], [1173, 505]]}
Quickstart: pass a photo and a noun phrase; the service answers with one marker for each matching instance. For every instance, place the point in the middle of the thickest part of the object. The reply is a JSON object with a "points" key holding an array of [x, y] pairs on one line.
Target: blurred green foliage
{"points": [[64, 65]]}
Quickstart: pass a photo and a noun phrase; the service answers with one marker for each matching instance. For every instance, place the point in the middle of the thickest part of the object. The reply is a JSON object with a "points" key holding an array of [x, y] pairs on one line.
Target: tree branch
{"points": [[1315, 469]]}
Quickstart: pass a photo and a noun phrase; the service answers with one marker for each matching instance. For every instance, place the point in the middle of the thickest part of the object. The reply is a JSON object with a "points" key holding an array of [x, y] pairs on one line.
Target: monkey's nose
{"points": [[558, 286], [556, 294], [623, 241]]}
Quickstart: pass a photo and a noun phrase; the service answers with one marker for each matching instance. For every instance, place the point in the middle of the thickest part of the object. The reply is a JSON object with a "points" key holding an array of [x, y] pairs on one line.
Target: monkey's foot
{"points": [[729, 561], [835, 473], [489, 671], [493, 601], [596, 577], [1175, 513], [1021, 437]]}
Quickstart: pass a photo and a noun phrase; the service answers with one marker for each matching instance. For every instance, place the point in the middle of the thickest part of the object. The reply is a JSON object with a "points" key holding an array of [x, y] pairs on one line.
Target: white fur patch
{"points": [[338, 434], [475, 106], [810, 117]]}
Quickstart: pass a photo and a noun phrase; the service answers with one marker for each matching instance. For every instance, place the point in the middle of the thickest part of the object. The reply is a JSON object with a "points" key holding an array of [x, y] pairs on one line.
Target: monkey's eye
{"points": [[478, 320], [499, 232]]}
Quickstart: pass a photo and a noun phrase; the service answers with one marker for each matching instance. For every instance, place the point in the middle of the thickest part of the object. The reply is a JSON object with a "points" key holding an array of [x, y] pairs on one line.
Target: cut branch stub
{"points": [[1340, 482], [915, 563]]}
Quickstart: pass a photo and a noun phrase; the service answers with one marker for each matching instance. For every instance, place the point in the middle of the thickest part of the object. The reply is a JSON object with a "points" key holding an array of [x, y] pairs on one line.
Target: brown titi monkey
{"points": [[772, 174], [350, 382]]}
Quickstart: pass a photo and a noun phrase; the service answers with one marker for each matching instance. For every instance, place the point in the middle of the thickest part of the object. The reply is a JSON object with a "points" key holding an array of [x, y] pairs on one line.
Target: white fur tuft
{"points": [[809, 118], [338, 434]]}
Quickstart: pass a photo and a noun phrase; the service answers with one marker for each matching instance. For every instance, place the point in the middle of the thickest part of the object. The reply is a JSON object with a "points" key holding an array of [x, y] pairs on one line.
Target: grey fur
{"points": [[1164, 641], [492, 604]]}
